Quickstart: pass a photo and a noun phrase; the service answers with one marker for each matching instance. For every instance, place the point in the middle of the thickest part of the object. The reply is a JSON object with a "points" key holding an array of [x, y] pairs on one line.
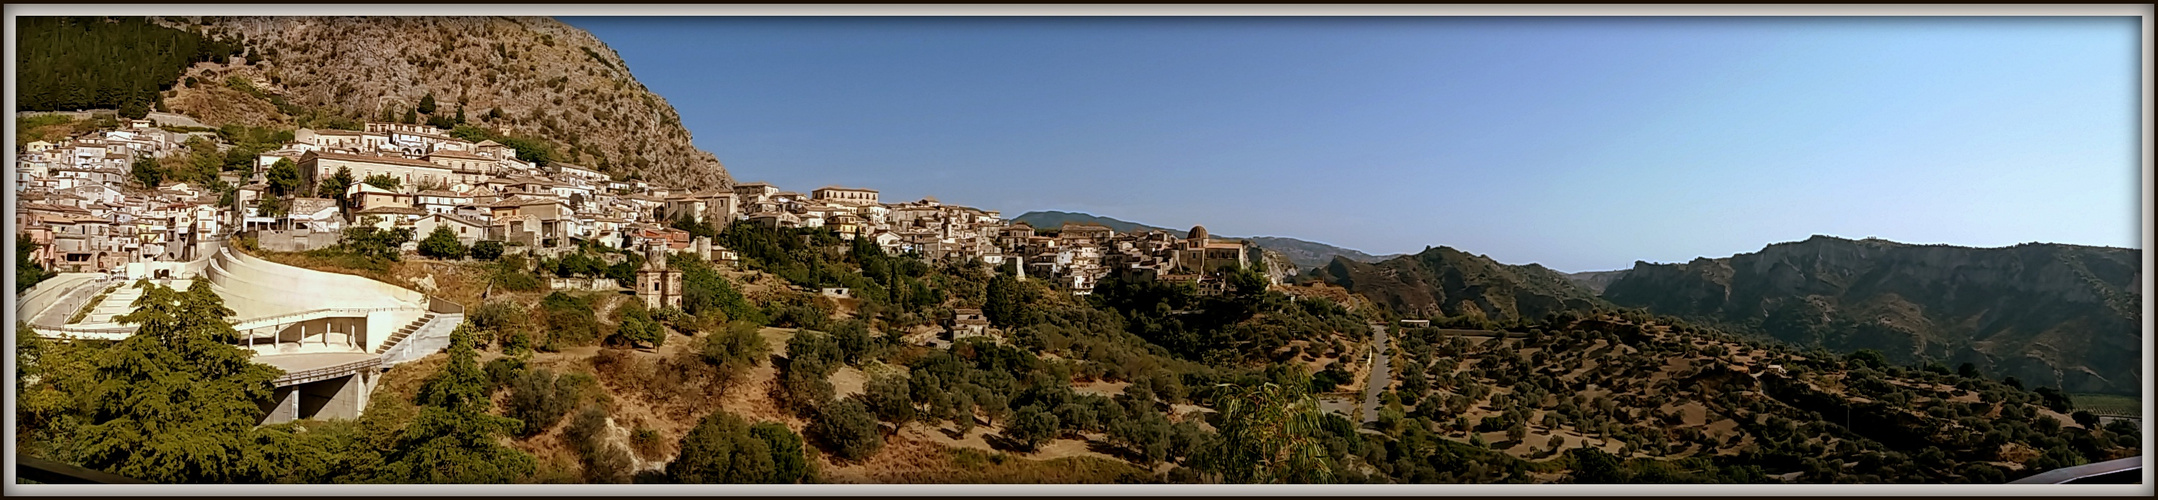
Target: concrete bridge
{"points": [[332, 334]]}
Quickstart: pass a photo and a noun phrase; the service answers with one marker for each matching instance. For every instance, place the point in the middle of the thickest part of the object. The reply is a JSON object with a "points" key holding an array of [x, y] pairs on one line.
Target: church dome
{"points": [[1197, 233]]}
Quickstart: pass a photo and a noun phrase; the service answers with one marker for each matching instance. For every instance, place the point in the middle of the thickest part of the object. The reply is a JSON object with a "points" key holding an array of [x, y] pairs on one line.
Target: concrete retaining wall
{"points": [[294, 240]]}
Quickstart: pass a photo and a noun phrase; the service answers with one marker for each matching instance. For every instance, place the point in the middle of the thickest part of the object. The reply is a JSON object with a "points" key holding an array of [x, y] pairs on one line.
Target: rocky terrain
{"points": [[527, 77], [2049, 314]]}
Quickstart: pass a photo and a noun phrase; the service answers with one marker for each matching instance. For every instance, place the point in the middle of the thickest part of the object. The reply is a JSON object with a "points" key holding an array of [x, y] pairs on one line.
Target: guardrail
{"points": [[325, 373], [2122, 471], [439, 305]]}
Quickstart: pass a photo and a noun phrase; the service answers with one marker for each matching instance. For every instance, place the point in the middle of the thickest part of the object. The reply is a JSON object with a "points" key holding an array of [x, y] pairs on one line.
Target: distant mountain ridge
{"points": [[1303, 254], [2051, 314], [1443, 281]]}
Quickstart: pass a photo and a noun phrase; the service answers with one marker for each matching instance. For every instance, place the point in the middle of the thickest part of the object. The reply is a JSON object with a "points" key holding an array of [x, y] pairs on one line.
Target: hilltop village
{"points": [[81, 201]]}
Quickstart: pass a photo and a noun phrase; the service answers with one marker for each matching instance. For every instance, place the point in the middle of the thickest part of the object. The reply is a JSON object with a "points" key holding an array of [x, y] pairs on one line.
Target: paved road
{"points": [[1380, 373], [70, 302]]}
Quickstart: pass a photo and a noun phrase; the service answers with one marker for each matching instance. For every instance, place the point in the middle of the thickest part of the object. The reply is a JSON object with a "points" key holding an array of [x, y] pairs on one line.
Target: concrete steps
{"points": [[405, 331]]}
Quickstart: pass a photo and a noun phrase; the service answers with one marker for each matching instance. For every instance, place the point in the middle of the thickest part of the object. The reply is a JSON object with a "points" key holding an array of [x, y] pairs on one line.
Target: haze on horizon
{"points": [[1578, 143]]}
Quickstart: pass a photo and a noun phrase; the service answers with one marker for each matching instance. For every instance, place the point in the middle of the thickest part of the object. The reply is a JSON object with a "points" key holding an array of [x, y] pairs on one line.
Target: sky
{"points": [[1578, 143]]}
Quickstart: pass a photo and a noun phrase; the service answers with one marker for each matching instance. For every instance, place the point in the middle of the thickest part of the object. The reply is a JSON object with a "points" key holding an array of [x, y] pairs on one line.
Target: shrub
{"points": [[487, 250], [587, 433], [724, 448], [847, 429], [570, 320], [635, 326], [442, 244], [735, 349], [540, 399]]}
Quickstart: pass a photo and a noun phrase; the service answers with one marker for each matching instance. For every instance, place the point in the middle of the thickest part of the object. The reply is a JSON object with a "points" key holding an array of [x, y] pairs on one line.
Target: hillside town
{"points": [[80, 205]]}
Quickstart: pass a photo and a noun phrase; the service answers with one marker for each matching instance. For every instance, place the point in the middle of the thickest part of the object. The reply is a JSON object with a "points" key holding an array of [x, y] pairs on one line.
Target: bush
{"points": [[848, 430], [635, 326], [570, 321], [587, 434], [487, 250], [442, 244], [735, 349], [724, 448], [540, 399]]}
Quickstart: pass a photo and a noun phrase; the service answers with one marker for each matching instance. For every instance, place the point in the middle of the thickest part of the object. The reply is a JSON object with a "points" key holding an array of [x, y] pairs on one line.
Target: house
{"points": [[317, 214], [389, 217], [849, 196], [364, 196], [465, 168], [410, 174], [440, 201], [968, 323], [467, 229]]}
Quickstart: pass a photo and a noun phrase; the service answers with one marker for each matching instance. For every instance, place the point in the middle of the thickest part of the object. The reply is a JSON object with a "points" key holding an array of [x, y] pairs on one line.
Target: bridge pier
{"points": [[335, 398]]}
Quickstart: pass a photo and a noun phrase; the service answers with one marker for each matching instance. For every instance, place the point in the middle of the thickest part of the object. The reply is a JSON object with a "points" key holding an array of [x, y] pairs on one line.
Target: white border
{"points": [[2144, 11]]}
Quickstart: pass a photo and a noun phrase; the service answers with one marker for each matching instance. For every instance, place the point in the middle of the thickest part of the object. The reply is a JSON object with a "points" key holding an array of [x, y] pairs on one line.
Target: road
{"points": [[1380, 373]]}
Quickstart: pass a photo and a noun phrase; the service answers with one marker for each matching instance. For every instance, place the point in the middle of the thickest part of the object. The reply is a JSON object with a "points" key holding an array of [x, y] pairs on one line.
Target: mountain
{"points": [[1443, 281], [1310, 254], [1595, 281], [532, 79], [1051, 219], [1301, 253], [2056, 315]]}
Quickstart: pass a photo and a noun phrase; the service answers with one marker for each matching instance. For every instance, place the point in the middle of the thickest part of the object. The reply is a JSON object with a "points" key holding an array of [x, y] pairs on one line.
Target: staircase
{"points": [[406, 331]]}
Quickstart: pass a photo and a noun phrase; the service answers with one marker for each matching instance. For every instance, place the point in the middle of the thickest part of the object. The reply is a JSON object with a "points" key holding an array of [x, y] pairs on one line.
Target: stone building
{"points": [[657, 285]]}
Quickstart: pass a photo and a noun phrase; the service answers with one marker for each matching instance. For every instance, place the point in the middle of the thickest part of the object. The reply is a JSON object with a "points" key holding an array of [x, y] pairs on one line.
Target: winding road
{"points": [[1380, 372]]}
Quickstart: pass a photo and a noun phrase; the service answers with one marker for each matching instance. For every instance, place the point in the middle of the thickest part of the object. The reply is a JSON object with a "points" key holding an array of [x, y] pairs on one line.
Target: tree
{"points": [[1268, 433], [888, 397], [454, 440], [2085, 418], [540, 399], [1030, 426], [146, 172], [855, 343], [1006, 297], [848, 430], [283, 178], [487, 250], [427, 104], [789, 462], [442, 244], [734, 349], [28, 272], [412, 116], [1591, 465], [634, 326], [384, 181], [723, 448], [176, 400]]}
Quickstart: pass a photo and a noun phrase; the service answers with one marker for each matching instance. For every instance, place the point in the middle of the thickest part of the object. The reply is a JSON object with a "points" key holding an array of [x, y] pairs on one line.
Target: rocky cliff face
{"points": [[1449, 282], [549, 81], [2049, 314]]}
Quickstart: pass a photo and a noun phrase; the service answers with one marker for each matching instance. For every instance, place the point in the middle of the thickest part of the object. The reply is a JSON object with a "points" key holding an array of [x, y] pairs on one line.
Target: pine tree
{"points": [[454, 439], [176, 401]]}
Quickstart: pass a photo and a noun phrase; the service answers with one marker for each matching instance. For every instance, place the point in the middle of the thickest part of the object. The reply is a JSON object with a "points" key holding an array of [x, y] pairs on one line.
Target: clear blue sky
{"points": [[1579, 143]]}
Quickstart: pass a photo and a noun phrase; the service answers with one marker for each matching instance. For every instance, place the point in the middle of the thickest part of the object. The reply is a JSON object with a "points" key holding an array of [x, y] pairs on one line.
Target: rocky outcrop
{"points": [[2050, 314], [549, 80]]}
